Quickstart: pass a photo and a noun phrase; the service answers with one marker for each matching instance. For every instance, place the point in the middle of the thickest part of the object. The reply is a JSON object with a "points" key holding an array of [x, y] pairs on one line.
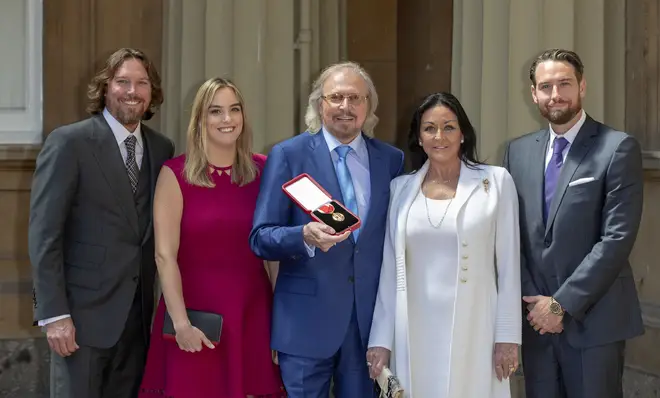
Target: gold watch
{"points": [[555, 307]]}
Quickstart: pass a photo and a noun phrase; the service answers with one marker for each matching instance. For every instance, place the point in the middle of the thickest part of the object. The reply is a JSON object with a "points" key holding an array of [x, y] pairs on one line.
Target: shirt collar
{"points": [[120, 131], [358, 144], [572, 132]]}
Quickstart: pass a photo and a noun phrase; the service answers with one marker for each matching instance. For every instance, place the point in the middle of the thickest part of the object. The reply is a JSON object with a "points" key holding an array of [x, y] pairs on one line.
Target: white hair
{"points": [[313, 115]]}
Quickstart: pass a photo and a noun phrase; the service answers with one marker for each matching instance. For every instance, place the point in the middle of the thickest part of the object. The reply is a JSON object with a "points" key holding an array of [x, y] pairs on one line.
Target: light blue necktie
{"points": [[346, 182]]}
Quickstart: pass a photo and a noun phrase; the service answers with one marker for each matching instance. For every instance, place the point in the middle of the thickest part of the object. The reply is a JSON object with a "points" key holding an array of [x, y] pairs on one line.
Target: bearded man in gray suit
{"points": [[91, 238], [580, 187]]}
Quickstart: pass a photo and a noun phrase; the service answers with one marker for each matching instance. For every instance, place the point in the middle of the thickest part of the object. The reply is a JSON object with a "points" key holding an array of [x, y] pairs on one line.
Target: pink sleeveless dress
{"points": [[219, 273]]}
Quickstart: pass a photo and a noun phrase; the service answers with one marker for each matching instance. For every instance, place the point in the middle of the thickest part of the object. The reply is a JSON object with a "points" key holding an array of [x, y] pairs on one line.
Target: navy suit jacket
{"points": [[314, 296], [580, 256]]}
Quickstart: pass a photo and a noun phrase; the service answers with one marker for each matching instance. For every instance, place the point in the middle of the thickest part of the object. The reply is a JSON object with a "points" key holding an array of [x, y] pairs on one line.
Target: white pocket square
{"points": [[580, 181]]}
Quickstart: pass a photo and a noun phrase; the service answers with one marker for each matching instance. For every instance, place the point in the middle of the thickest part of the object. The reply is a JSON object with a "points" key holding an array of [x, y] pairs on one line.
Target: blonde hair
{"points": [[196, 168], [313, 114]]}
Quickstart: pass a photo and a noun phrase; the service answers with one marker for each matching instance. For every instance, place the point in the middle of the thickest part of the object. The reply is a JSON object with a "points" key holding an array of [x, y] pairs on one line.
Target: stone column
{"points": [[280, 73], [219, 38], [250, 56], [250, 42], [490, 67]]}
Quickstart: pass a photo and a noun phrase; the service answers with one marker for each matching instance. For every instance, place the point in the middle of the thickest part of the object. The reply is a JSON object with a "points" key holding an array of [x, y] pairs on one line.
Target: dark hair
{"points": [[557, 54], [98, 87], [468, 149]]}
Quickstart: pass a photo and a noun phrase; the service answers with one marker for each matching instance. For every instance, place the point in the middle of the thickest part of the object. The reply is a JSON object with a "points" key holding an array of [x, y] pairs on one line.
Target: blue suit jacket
{"points": [[314, 296]]}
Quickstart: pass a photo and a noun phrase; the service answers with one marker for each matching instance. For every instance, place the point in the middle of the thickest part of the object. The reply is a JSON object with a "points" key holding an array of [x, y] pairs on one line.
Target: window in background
{"points": [[21, 72]]}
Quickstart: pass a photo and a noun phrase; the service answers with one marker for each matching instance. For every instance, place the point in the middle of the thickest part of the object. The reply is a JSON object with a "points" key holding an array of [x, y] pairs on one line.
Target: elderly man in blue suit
{"points": [[327, 282]]}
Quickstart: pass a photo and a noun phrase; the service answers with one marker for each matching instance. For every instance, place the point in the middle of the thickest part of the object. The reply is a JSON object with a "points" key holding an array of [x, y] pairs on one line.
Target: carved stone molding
{"points": [[18, 157]]}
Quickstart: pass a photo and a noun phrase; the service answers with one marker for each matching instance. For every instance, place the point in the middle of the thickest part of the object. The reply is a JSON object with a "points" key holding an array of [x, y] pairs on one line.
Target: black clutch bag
{"points": [[209, 323]]}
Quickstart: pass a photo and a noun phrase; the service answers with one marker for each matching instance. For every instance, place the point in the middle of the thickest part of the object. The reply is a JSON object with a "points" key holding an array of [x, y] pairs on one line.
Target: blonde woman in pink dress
{"points": [[203, 210]]}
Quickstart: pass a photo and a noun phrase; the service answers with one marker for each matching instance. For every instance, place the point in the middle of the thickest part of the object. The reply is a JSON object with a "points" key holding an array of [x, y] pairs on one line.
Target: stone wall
{"points": [[24, 368]]}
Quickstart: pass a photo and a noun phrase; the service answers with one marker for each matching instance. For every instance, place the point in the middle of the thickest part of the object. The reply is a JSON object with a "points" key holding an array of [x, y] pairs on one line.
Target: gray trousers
{"points": [[555, 369], [114, 372]]}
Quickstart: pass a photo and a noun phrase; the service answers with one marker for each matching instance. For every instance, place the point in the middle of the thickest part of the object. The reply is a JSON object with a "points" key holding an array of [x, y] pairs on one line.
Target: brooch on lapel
{"points": [[486, 184]]}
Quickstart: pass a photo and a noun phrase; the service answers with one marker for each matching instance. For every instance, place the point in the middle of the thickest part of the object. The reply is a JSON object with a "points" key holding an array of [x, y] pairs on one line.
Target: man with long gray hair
{"points": [[327, 283]]}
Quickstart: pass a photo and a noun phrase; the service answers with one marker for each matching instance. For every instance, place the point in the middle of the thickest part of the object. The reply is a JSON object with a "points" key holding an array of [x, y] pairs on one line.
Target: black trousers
{"points": [[114, 372]]}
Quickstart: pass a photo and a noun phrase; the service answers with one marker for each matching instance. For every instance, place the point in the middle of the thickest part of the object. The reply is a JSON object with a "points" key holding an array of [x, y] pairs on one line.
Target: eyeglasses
{"points": [[338, 99]]}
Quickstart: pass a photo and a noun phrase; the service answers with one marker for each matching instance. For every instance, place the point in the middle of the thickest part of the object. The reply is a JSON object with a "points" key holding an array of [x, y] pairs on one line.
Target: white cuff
{"points": [[51, 320], [311, 250]]}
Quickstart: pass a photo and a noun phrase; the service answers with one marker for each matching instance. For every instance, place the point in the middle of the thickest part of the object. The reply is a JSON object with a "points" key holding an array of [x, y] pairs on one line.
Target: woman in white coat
{"points": [[448, 316]]}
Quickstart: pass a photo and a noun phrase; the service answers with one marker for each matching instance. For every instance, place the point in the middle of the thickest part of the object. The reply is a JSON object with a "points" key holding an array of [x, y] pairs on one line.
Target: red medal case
{"points": [[317, 202]]}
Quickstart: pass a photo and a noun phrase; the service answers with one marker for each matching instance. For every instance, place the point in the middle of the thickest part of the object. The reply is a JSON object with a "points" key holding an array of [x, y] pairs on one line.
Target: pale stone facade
{"points": [[273, 49]]}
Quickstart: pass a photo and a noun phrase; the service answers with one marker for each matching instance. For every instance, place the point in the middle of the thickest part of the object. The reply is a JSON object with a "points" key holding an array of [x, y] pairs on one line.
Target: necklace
{"points": [[426, 202], [442, 181], [428, 214]]}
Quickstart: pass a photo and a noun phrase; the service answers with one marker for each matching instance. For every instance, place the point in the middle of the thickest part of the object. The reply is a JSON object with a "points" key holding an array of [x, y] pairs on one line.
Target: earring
{"points": [[462, 140], [420, 143]]}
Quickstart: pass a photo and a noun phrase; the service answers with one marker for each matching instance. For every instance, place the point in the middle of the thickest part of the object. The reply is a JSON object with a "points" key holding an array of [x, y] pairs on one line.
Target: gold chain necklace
{"points": [[428, 214], [426, 202]]}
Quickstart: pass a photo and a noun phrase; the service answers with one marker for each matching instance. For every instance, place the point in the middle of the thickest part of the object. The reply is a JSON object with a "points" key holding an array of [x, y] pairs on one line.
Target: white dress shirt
{"points": [[357, 162], [120, 133], [569, 135]]}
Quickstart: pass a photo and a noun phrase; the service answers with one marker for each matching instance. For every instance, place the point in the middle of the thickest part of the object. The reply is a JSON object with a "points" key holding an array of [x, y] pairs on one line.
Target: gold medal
{"points": [[338, 217], [330, 209]]}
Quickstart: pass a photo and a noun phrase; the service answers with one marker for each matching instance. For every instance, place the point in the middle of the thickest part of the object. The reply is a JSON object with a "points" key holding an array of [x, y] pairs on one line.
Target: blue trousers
{"points": [[311, 377]]}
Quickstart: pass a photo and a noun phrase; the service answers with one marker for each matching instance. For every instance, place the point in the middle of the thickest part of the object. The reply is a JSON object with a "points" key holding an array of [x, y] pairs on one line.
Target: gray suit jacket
{"points": [[86, 252], [581, 256]]}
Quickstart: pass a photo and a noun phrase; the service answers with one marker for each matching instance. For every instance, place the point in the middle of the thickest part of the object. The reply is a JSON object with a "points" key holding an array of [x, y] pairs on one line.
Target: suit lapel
{"points": [[106, 152], [323, 170], [576, 153], [151, 155], [536, 179], [379, 181], [468, 181], [402, 205]]}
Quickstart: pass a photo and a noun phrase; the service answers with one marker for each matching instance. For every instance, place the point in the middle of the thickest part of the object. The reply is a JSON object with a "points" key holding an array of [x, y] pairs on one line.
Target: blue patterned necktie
{"points": [[346, 182], [552, 173]]}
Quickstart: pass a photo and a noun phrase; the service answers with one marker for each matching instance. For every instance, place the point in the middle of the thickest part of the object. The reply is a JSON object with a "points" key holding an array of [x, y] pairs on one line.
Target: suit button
{"points": [[351, 279], [547, 242], [135, 279], [357, 251]]}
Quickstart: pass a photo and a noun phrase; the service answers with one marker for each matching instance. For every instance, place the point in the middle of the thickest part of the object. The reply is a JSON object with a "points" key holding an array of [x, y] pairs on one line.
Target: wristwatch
{"points": [[555, 307]]}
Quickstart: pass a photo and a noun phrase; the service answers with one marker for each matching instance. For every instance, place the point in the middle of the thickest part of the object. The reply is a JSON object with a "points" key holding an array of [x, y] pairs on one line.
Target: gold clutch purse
{"points": [[389, 384]]}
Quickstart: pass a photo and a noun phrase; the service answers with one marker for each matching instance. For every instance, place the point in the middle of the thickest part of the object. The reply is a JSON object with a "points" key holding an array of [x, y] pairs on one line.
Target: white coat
{"points": [[488, 306]]}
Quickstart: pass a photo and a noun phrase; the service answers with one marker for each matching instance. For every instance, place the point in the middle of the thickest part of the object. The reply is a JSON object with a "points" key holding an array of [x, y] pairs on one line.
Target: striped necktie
{"points": [[131, 163]]}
